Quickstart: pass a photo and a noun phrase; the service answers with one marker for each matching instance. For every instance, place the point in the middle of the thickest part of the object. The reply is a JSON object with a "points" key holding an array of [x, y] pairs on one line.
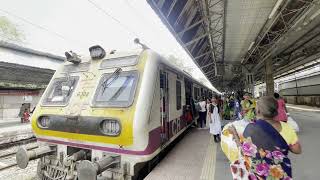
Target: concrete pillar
{"points": [[269, 77], [249, 85]]}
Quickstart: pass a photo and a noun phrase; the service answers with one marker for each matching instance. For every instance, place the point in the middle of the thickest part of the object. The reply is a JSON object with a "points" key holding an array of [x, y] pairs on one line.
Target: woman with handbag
{"points": [[265, 146]]}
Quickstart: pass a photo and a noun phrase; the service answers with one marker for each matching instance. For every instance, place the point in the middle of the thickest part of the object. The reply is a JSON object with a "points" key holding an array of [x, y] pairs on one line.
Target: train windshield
{"points": [[60, 91], [117, 91]]}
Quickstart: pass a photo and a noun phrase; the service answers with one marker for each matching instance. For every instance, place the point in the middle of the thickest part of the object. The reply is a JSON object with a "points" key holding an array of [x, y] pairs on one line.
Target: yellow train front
{"points": [[104, 116]]}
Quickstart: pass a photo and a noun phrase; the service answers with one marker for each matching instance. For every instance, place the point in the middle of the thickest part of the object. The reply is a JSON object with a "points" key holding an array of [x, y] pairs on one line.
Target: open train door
{"points": [[164, 106]]}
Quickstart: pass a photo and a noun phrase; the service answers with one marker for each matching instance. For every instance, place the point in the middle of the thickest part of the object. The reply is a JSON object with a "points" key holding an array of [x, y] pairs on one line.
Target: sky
{"points": [[56, 26]]}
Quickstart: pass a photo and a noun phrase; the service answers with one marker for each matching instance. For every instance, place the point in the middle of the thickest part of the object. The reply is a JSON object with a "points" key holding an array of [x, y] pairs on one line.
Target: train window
{"points": [[116, 92], [178, 94], [60, 91]]}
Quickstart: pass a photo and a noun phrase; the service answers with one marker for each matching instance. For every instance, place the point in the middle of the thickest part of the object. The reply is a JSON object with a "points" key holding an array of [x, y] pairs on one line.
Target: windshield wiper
{"points": [[70, 87], [120, 90], [114, 76]]}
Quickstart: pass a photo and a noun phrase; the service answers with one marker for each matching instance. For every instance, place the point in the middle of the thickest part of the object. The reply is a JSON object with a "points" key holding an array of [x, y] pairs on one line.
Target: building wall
{"points": [[303, 100], [11, 102]]}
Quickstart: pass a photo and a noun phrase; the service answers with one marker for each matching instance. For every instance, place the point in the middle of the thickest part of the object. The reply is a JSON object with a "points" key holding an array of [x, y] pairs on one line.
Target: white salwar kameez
{"points": [[215, 124], [208, 117]]}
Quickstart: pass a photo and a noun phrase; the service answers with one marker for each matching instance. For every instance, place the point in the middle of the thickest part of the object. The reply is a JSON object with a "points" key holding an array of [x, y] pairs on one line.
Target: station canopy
{"points": [[229, 39]]}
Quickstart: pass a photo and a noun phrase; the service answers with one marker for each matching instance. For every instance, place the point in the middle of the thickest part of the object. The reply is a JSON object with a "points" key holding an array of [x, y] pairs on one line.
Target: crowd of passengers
{"points": [[261, 138]]}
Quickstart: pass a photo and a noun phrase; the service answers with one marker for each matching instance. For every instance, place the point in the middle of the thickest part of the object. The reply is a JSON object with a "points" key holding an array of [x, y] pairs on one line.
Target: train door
{"points": [[188, 91], [164, 107]]}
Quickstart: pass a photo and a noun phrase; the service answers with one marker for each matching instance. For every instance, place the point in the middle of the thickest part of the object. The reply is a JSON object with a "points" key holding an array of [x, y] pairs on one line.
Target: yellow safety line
{"points": [[209, 164]]}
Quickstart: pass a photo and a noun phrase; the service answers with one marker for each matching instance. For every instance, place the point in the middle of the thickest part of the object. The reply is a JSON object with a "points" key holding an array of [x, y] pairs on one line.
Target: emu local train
{"points": [[106, 116]]}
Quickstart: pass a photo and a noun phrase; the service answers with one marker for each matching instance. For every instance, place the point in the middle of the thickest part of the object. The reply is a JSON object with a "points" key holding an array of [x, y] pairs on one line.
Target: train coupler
{"points": [[23, 156]]}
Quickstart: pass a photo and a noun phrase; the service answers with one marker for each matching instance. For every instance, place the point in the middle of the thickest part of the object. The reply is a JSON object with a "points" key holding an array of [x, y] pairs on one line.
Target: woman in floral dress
{"points": [[266, 143]]}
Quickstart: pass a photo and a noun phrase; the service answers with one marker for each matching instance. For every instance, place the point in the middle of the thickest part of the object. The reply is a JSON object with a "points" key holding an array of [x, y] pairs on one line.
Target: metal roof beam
{"points": [[203, 54], [214, 4], [160, 3], [210, 72], [202, 36], [264, 31], [207, 65], [196, 39], [208, 13], [291, 36], [201, 48], [190, 27], [206, 60], [191, 16], [182, 12], [171, 7]]}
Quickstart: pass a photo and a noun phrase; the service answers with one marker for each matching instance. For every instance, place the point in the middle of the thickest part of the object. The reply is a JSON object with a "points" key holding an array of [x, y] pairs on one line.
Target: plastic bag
{"points": [[293, 124], [228, 145]]}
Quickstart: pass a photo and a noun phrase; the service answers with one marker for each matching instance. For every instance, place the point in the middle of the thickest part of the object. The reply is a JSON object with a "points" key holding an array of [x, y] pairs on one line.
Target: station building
{"points": [[24, 74]]}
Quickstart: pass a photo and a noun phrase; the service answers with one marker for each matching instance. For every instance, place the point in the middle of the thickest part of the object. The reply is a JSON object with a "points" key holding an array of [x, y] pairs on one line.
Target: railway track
{"points": [[17, 143], [8, 156]]}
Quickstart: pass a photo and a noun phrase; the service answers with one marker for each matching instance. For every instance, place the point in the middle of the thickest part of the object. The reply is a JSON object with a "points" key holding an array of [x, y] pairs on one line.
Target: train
{"points": [[107, 115]]}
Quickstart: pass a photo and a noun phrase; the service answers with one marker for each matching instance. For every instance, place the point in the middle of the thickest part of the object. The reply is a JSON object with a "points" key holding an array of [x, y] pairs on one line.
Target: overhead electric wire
{"points": [[37, 25], [129, 30]]}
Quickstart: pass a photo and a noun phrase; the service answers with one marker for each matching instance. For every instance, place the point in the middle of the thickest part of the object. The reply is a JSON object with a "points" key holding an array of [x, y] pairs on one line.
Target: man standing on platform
{"points": [[202, 112]]}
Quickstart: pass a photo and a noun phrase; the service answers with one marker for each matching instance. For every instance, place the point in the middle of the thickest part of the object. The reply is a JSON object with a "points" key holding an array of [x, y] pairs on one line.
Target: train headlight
{"points": [[97, 52], [43, 122], [110, 127]]}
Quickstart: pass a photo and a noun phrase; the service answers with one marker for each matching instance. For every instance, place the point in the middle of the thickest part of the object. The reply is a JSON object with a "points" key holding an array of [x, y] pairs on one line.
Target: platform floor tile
{"points": [[193, 158]]}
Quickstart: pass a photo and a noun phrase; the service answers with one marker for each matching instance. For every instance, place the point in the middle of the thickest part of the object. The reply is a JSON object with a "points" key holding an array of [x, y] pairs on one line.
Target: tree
{"points": [[9, 31]]}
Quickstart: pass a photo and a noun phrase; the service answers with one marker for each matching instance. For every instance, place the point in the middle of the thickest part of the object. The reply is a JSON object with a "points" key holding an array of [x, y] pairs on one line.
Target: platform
{"points": [[197, 157], [192, 158], [14, 131]]}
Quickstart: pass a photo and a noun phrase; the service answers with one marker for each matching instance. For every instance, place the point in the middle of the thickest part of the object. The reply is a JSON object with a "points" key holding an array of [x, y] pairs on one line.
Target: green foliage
{"points": [[9, 31]]}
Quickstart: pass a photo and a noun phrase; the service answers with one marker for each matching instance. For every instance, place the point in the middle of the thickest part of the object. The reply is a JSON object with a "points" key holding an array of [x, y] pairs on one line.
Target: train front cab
{"points": [[84, 120]]}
